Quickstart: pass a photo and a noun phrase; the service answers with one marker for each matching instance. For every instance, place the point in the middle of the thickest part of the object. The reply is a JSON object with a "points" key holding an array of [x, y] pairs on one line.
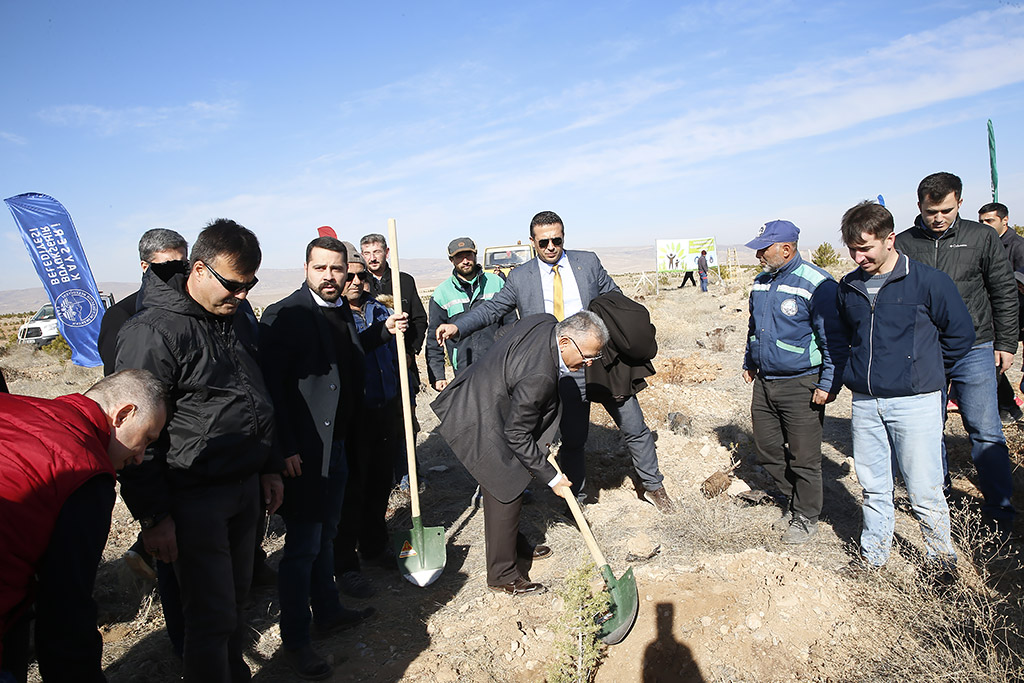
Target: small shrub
{"points": [[58, 348], [577, 650], [825, 256]]}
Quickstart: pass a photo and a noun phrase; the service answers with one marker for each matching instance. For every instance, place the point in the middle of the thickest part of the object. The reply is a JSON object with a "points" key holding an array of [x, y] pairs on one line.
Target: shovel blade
{"points": [[624, 602], [420, 552]]}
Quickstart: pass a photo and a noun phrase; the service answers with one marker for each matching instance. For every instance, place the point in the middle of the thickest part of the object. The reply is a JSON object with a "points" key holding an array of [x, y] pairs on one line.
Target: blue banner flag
{"points": [[52, 241]]}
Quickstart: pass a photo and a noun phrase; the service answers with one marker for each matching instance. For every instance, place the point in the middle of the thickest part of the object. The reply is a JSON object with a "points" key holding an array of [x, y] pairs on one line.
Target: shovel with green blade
{"points": [[623, 597], [420, 551]]}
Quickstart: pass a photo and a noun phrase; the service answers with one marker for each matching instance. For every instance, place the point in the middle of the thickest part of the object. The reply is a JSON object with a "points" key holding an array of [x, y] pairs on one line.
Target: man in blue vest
{"points": [[795, 342], [468, 287]]}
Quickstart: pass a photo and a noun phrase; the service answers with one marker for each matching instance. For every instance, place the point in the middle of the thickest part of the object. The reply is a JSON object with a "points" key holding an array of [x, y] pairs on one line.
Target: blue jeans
{"points": [[907, 430], [703, 282], [305, 577], [974, 381]]}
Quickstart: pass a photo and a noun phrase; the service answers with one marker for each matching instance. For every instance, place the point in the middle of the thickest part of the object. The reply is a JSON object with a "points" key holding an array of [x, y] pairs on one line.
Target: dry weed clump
{"points": [[718, 525], [968, 631], [690, 370]]}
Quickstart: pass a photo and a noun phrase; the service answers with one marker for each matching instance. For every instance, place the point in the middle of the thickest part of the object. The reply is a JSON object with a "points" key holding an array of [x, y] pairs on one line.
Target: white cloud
{"points": [[13, 138], [166, 127]]}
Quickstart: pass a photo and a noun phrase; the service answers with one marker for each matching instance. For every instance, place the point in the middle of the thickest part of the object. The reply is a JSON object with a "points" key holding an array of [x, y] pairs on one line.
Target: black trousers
{"points": [[787, 435], [501, 537], [1006, 394], [216, 531], [371, 452]]}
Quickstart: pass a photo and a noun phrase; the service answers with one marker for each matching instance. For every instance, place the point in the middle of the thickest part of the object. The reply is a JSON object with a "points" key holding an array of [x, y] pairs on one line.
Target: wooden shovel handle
{"points": [[403, 371], [581, 521]]}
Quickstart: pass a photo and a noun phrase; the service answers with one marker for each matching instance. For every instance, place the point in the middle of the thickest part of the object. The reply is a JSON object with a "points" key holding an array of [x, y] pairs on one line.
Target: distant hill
{"points": [[275, 284]]}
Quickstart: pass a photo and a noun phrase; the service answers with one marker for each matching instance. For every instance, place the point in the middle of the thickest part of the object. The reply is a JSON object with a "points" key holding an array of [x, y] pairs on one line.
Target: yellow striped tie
{"points": [[557, 305]]}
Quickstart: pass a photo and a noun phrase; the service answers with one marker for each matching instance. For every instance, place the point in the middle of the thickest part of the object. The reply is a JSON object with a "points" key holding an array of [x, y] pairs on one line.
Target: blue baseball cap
{"points": [[775, 231]]}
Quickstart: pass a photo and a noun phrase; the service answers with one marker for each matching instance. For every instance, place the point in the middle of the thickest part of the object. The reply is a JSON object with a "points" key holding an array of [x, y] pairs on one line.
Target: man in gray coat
{"points": [[562, 283], [498, 415]]}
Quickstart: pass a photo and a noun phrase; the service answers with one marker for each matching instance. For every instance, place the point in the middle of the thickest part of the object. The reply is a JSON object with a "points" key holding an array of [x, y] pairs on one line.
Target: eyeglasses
{"points": [[352, 276], [586, 359], [543, 244], [231, 285]]}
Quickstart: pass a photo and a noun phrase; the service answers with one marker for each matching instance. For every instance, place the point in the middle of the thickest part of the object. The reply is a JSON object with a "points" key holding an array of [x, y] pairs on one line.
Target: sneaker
{"points": [[1010, 415], [307, 664], [355, 585], [660, 499], [782, 523], [800, 530], [859, 568]]}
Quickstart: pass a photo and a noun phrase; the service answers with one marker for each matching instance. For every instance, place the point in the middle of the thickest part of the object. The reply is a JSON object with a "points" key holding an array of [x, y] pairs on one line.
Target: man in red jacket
{"points": [[57, 464]]}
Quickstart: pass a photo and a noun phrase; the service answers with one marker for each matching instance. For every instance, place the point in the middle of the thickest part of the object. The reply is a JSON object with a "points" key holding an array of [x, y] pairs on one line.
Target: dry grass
{"points": [[970, 631]]}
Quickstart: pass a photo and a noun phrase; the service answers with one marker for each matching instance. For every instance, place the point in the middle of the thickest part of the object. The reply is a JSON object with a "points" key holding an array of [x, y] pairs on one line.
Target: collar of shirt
{"points": [[572, 301], [563, 369], [328, 304]]}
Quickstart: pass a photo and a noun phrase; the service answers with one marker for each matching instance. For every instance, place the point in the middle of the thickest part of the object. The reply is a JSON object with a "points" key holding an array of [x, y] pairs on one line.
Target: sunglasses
{"points": [[352, 276], [586, 359], [230, 285], [543, 244]]}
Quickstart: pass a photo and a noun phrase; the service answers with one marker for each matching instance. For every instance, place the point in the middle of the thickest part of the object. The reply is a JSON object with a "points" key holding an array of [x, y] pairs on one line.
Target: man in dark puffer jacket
{"points": [[972, 255]]}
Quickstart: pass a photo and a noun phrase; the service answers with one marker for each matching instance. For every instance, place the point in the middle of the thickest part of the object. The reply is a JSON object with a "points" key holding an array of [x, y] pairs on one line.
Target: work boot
{"points": [[800, 530], [659, 498], [782, 523]]}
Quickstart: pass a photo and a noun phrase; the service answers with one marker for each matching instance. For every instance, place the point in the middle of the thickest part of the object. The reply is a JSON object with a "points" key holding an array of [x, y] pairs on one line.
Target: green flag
{"points": [[992, 161]]}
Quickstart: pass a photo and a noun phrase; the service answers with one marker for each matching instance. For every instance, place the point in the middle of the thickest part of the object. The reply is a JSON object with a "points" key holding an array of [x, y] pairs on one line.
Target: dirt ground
{"points": [[721, 599]]}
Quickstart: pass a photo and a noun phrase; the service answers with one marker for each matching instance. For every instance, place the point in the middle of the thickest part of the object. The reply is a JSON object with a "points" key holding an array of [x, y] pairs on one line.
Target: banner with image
{"points": [[59, 260], [681, 255]]}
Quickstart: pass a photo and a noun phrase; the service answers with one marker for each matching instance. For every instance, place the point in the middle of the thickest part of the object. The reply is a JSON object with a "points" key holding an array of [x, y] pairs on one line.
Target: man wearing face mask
{"points": [[794, 357]]}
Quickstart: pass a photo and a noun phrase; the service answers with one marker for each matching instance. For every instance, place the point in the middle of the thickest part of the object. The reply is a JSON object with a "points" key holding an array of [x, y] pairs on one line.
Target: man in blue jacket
{"points": [[907, 327], [794, 344]]}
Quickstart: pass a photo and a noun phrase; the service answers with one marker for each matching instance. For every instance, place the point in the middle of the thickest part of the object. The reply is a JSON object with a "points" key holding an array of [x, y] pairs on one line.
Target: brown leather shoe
{"points": [[659, 498], [519, 587]]}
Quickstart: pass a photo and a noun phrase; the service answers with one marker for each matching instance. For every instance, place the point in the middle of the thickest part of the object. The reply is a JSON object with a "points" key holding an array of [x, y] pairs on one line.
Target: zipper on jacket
{"points": [[871, 339]]}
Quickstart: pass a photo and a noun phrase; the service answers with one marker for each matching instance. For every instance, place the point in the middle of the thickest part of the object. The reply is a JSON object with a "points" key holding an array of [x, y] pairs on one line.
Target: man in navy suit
{"points": [[563, 283]]}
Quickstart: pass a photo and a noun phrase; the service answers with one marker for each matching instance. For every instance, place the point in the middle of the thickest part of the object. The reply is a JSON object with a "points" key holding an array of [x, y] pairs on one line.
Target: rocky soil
{"points": [[721, 599]]}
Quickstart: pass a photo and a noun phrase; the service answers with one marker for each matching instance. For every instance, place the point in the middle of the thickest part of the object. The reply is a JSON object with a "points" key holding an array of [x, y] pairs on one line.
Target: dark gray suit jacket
{"points": [[498, 415], [523, 292]]}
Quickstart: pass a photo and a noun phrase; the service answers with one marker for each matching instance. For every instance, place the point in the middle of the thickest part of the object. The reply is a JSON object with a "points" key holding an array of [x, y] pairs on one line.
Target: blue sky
{"points": [[633, 120]]}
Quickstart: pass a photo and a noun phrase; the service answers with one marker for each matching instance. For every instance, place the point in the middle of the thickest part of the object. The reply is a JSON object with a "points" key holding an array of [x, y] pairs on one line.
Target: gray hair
{"points": [[582, 325], [373, 238], [157, 240], [138, 387]]}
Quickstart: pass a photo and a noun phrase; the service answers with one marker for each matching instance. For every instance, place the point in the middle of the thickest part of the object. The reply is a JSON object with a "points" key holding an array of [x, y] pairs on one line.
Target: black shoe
{"points": [[307, 664], [344, 621], [1010, 416], [355, 585], [518, 587]]}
